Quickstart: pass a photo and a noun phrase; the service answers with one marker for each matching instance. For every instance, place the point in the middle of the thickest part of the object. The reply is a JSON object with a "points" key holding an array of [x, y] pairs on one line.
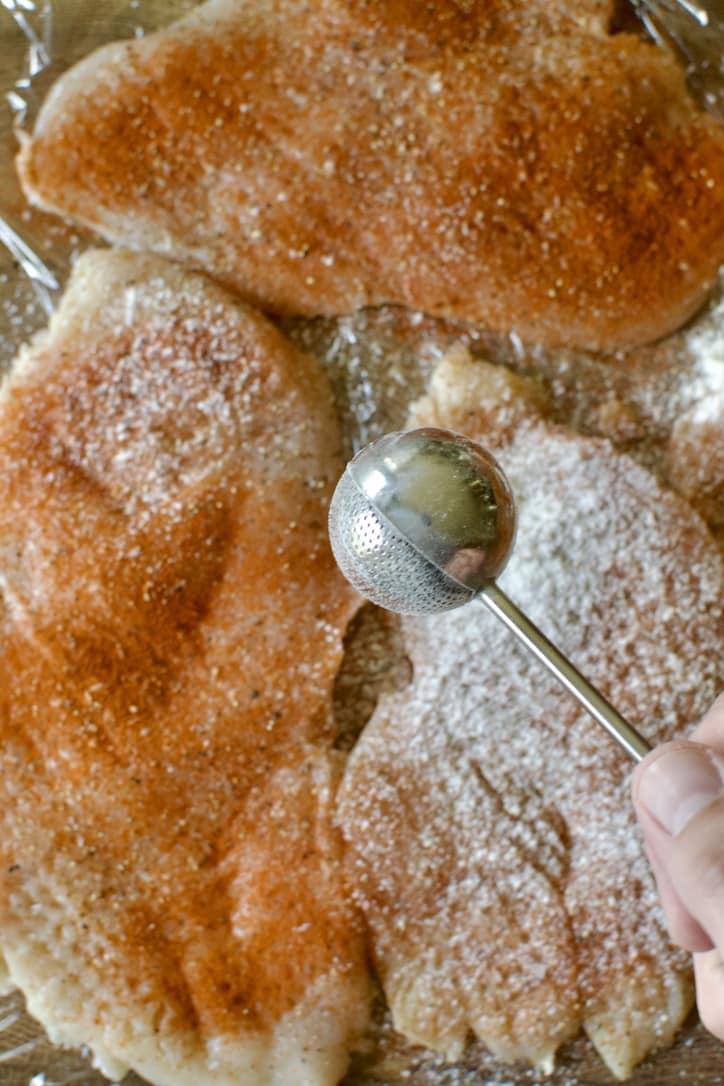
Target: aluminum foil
{"points": [[39, 39], [694, 31]]}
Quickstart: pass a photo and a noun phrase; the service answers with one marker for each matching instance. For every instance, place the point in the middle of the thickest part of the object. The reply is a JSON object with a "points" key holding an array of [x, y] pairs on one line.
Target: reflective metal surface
{"points": [[445, 496]]}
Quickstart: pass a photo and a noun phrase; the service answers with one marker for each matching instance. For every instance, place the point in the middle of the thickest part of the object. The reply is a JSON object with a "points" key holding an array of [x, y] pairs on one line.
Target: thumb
{"points": [[679, 790]]}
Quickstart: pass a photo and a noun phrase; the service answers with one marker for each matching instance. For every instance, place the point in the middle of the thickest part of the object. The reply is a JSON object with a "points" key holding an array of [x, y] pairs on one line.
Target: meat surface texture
{"points": [[170, 628], [492, 842], [502, 162]]}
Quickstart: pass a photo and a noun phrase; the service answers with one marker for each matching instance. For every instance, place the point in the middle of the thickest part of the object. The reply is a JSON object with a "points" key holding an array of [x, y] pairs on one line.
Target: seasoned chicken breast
{"points": [[170, 626], [503, 162]]}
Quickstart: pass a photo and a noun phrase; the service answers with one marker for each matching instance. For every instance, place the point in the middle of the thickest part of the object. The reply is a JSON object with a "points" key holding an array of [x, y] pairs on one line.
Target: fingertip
{"points": [[646, 764], [709, 974], [671, 787], [685, 931], [710, 730], [678, 781]]}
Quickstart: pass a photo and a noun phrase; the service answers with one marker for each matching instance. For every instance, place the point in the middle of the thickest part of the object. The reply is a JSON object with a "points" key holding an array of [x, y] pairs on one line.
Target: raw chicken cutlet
{"points": [[507, 163], [170, 627], [492, 842]]}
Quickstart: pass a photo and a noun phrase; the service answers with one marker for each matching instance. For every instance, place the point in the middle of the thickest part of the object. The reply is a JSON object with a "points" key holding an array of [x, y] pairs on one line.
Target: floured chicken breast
{"points": [[696, 459], [492, 842], [498, 161], [170, 627]]}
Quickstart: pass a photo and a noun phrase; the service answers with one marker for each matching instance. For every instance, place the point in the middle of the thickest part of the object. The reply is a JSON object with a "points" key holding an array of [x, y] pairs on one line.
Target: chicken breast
{"points": [[507, 163], [170, 627], [492, 841]]}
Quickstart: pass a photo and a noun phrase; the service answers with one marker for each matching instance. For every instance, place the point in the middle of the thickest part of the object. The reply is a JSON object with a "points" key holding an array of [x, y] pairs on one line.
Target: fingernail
{"points": [[678, 784]]}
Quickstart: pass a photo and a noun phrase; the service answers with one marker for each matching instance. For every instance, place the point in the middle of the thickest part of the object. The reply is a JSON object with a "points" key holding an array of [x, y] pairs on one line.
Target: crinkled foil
{"points": [[378, 362], [38, 40], [693, 30]]}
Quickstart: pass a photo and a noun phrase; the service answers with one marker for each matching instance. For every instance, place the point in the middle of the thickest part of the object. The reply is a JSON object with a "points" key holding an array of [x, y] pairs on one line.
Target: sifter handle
{"points": [[590, 698]]}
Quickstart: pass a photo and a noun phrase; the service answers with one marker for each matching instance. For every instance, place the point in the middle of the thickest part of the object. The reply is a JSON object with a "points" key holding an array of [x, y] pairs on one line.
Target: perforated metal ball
{"points": [[421, 521]]}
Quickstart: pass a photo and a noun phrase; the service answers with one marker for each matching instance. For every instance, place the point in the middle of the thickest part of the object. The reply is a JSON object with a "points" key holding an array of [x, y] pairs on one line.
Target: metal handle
{"points": [[590, 698]]}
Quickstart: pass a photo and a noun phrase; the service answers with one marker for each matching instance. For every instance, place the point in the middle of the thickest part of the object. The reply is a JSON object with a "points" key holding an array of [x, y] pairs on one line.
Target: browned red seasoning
{"points": [[505, 163]]}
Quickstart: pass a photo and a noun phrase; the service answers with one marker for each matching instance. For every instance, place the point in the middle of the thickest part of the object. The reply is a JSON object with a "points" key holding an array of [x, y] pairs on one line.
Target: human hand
{"points": [[678, 793]]}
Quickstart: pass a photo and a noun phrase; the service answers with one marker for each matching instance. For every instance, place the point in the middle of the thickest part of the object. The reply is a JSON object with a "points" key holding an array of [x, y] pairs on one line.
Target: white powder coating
{"points": [[492, 837], [705, 343]]}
